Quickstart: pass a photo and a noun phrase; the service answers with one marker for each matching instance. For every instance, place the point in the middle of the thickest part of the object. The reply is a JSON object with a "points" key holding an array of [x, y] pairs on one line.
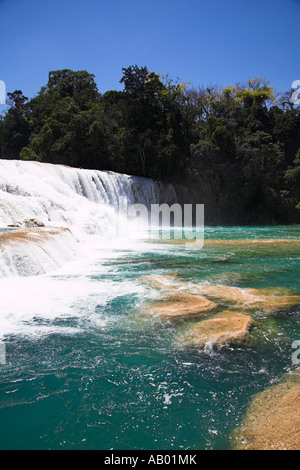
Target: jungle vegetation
{"points": [[235, 149]]}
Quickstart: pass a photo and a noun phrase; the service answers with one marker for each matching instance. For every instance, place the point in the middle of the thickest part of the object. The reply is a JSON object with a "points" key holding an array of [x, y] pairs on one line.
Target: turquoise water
{"points": [[87, 368]]}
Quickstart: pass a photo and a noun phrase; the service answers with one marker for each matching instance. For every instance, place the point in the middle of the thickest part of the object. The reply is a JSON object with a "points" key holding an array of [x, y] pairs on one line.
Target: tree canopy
{"points": [[237, 149]]}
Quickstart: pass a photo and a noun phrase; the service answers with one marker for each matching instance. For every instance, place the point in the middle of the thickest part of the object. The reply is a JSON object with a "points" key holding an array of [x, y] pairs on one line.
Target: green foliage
{"points": [[15, 127], [236, 149], [28, 154]]}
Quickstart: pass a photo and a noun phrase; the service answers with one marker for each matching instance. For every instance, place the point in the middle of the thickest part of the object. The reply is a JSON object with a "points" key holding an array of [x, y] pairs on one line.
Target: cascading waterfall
{"points": [[122, 344], [31, 253], [84, 201]]}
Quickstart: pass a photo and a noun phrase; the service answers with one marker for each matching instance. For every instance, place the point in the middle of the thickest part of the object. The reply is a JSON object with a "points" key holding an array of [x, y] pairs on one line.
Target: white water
{"points": [[37, 255], [44, 304], [46, 280], [85, 201]]}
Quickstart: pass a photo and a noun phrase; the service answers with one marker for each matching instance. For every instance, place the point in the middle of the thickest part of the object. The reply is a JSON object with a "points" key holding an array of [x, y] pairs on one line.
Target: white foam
{"points": [[38, 290], [42, 305], [84, 200]]}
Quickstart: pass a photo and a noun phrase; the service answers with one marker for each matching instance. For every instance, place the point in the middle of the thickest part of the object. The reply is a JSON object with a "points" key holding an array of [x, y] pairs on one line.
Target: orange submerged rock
{"points": [[165, 282], [273, 419], [250, 298], [246, 298], [30, 235], [223, 328], [181, 305]]}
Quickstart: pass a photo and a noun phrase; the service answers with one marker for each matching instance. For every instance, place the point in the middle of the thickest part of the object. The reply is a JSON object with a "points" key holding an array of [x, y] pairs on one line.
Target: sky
{"points": [[203, 42]]}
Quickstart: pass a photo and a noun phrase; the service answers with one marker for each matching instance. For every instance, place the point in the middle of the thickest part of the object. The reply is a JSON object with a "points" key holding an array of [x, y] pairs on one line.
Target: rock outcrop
{"points": [[250, 298], [272, 421], [245, 298], [181, 305], [224, 328]]}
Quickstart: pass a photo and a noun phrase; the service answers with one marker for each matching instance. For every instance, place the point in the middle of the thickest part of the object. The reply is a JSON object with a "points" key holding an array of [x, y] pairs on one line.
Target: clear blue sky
{"points": [[200, 41]]}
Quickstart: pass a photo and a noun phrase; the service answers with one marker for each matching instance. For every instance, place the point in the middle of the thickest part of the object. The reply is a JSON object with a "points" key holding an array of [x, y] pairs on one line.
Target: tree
{"points": [[15, 126], [155, 119], [236, 149]]}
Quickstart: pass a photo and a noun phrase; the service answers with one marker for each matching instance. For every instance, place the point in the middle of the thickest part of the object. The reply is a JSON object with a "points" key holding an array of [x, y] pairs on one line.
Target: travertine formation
{"points": [[272, 421], [225, 327], [258, 299], [268, 243], [181, 305], [250, 298], [35, 251], [23, 236], [165, 282]]}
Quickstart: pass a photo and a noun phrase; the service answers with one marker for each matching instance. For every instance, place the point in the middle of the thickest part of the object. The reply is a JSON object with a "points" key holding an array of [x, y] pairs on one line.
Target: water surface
{"points": [[86, 368]]}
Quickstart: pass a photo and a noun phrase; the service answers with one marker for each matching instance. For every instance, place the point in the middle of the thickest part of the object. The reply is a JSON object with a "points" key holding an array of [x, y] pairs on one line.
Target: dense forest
{"points": [[235, 149]]}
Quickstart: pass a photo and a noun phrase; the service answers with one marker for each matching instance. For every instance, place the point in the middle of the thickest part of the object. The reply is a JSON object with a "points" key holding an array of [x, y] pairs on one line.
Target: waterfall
{"points": [[30, 253], [34, 194]]}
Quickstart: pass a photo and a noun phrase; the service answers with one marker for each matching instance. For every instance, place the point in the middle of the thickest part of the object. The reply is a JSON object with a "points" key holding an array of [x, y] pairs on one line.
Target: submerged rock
{"points": [[263, 242], [30, 223], [272, 421], [267, 299], [266, 242], [181, 305], [165, 282], [27, 223], [31, 252], [23, 236], [224, 328], [250, 298], [15, 225]]}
